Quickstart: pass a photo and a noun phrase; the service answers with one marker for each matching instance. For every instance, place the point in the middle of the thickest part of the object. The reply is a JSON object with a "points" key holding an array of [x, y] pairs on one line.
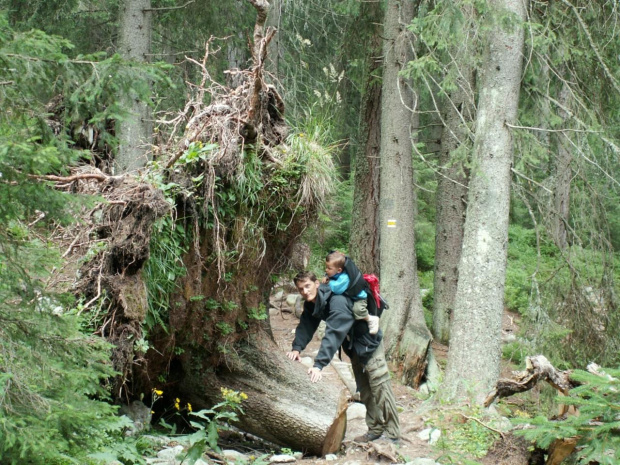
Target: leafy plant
{"points": [[224, 328], [165, 264], [211, 421], [259, 313]]}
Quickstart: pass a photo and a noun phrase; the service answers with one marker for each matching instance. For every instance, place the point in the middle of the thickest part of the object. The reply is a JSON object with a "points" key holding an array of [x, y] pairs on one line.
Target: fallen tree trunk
{"points": [[282, 407], [538, 368], [241, 193]]}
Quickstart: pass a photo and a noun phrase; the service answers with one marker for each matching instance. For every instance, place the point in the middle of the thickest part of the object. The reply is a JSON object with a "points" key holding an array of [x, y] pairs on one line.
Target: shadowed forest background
{"points": [[165, 164]]}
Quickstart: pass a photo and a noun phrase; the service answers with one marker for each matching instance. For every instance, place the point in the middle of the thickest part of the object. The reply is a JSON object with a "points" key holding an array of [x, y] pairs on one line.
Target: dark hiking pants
{"points": [[373, 382]]}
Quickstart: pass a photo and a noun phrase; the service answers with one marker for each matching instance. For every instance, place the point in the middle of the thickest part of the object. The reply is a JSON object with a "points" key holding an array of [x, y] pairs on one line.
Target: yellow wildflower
{"points": [[159, 392], [189, 406], [244, 396]]}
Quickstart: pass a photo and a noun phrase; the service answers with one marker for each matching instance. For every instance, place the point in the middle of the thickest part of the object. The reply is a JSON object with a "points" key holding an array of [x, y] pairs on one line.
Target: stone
{"points": [[282, 458], [502, 424], [273, 311], [291, 299], [331, 457], [234, 455], [424, 390], [139, 414], [307, 361], [170, 453], [160, 441], [299, 307], [431, 435], [356, 410], [422, 461]]}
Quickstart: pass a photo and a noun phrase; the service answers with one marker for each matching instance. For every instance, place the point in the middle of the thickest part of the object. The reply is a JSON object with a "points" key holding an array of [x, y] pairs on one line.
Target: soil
{"points": [[414, 413]]}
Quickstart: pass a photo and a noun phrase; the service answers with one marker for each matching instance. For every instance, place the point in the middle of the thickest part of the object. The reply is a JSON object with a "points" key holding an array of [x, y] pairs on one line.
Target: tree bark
{"points": [[459, 112], [364, 243], [274, 19], [475, 344], [407, 339], [134, 43], [563, 175]]}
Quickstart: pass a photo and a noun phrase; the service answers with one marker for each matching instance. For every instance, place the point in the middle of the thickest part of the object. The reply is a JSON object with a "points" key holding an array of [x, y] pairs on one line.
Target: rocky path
{"points": [[414, 448]]}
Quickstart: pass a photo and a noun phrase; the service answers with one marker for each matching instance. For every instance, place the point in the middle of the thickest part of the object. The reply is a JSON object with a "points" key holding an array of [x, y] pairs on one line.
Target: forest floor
{"points": [[416, 414]]}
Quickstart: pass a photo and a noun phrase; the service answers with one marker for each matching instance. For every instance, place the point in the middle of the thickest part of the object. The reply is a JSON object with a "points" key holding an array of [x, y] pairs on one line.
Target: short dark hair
{"points": [[304, 276], [337, 258]]}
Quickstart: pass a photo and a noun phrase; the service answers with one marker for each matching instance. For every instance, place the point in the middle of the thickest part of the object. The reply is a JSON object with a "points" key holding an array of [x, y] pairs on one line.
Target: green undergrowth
{"points": [[565, 298], [466, 433], [596, 428], [169, 242]]}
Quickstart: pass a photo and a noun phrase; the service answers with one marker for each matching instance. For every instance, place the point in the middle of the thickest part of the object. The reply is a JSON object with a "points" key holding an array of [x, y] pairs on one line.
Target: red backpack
{"points": [[376, 304]]}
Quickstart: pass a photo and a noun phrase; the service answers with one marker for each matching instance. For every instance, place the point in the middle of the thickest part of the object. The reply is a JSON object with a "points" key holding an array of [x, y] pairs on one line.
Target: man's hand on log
{"points": [[294, 355], [315, 374]]}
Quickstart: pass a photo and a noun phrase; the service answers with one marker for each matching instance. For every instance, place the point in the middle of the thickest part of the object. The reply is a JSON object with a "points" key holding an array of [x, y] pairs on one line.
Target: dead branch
{"points": [[75, 177], [483, 424], [259, 53], [538, 368]]}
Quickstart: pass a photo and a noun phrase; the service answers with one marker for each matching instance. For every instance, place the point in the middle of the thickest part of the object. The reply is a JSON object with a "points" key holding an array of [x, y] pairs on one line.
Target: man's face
{"points": [[308, 289], [331, 269]]}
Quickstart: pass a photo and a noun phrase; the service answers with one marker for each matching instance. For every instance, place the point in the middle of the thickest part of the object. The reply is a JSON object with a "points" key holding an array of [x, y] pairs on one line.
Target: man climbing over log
{"points": [[365, 351]]}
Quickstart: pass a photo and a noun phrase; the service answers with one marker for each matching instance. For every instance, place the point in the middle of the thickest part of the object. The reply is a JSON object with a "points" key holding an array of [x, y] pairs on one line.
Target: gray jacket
{"points": [[336, 311]]}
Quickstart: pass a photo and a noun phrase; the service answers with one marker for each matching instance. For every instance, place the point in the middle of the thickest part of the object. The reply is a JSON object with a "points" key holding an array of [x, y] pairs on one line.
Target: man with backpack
{"points": [[365, 351]]}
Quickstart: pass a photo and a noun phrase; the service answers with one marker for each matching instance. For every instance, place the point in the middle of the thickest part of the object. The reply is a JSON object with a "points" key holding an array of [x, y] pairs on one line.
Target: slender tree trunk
{"points": [[563, 174], [407, 339], [134, 43], [475, 350], [274, 17], [364, 245], [459, 112]]}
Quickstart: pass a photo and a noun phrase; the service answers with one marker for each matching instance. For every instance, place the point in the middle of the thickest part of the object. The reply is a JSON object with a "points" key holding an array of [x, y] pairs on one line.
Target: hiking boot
{"points": [[367, 437], [373, 324]]}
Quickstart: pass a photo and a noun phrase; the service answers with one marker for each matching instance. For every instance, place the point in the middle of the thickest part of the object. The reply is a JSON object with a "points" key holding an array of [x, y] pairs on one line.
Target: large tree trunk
{"points": [[459, 111], [282, 405], [134, 43], [475, 343], [407, 339], [364, 244]]}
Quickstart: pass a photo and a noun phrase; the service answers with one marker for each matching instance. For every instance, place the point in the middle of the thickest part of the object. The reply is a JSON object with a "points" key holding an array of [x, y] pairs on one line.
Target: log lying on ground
{"points": [[538, 368], [283, 406]]}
